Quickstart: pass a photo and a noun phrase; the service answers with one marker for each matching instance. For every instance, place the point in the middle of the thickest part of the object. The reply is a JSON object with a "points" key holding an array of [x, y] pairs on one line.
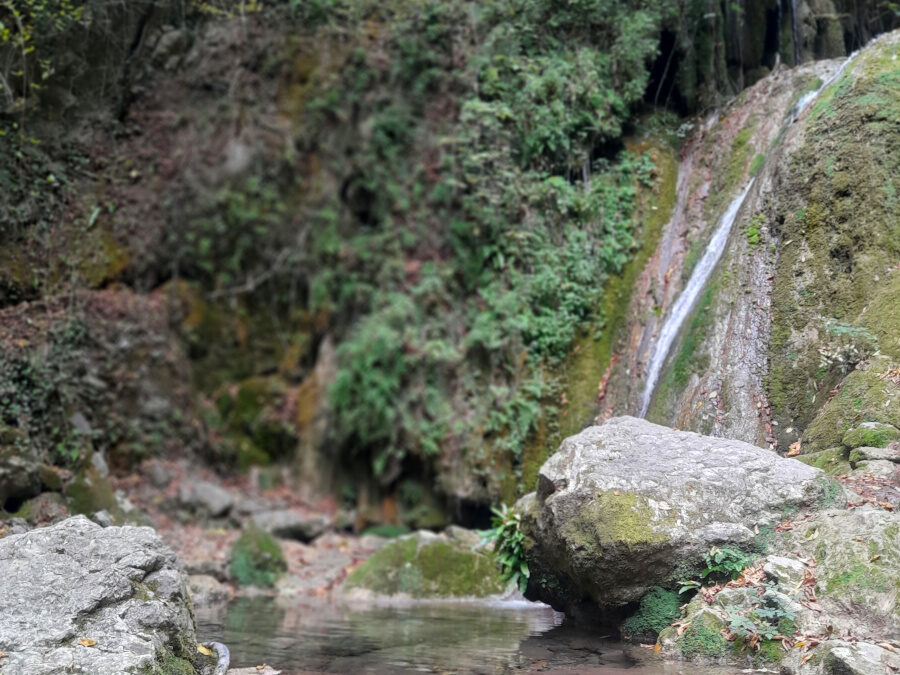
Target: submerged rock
{"points": [[77, 597], [427, 565], [629, 505]]}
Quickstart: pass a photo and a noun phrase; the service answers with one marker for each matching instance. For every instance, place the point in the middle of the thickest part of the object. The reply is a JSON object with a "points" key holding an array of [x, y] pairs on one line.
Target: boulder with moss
{"points": [[257, 559], [425, 565], [81, 598], [630, 505]]}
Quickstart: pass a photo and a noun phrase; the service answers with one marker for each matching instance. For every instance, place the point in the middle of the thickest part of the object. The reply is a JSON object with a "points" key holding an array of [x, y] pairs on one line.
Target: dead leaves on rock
{"points": [[86, 642]]}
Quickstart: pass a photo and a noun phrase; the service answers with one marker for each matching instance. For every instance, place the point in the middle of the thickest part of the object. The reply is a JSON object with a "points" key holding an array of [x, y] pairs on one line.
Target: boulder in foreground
{"points": [[629, 505], [76, 597]]}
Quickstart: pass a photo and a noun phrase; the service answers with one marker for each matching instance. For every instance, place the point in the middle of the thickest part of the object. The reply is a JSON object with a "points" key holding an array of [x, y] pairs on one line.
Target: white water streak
{"points": [[685, 302]]}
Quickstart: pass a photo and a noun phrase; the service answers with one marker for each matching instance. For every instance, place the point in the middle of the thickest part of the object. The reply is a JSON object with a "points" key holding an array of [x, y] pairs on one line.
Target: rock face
{"points": [[117, 589], [629, 505]]}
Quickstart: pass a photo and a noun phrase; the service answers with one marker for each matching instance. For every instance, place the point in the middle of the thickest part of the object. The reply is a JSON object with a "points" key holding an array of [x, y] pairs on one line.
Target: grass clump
{"points": [[257, 559]]}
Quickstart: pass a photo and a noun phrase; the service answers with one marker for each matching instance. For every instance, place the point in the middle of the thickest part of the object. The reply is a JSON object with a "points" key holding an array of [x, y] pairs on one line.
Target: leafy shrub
{"points": [[509, 545], [256, 559], [725, 563]]}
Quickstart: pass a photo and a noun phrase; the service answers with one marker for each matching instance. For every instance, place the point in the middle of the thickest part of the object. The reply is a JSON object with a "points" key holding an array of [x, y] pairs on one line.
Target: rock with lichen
{"points": [[77, 597], [629, 505], [425, 565]]}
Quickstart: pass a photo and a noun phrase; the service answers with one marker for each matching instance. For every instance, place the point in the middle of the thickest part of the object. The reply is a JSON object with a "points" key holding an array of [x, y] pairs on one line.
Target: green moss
{"points": [[90, 492], [613, 519], [863, 397], [702, 640], [257, 559], [757, 164], [658, 609], [832, 493], [833, 462], [166, 663], [428, 569], [878, 437]]}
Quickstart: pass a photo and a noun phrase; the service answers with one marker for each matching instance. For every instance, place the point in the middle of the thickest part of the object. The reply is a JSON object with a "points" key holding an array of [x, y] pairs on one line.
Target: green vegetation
{"points": [[702, 640], [757, 164], [658, 609], [764, 619], [509, 545], [429, 567], [874, 436], [256, 559]]}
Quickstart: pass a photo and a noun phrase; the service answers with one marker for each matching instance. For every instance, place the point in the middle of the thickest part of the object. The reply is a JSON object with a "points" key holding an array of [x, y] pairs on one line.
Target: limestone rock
{"points": [[291, 524], [20, 473], [871, 434], [426, 565], [204, 496], [119, 589], [629, 505]]}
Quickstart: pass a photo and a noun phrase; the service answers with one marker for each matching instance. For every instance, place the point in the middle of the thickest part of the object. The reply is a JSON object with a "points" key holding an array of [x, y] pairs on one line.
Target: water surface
{"points": [[327, 637]]}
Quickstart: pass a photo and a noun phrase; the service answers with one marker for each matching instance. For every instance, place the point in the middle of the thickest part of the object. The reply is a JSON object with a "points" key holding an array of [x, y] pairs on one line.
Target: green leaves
{"points": [[726, 562], [509, 544]]}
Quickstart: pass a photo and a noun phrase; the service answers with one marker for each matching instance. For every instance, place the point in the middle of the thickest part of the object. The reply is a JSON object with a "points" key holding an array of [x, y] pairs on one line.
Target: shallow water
{"points": [[324, 637]]}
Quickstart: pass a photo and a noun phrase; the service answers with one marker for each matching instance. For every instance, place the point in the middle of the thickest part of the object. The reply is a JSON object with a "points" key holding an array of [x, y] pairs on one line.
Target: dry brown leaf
{"points": [[86, 642], [203, 650], [806, 657], [890, 648], [794, 449]]}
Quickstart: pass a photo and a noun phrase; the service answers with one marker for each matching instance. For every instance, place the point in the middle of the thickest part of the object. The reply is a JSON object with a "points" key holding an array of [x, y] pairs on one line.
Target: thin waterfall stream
{"points": [[684, 305]]}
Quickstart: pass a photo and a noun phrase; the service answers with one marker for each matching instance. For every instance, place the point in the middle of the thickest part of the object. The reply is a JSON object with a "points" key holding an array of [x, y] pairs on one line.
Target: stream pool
{"points": [[326, 637]]}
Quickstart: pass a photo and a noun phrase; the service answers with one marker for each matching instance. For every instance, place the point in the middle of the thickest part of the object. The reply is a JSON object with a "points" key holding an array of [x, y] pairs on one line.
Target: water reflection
{"points": [[325, 637]]}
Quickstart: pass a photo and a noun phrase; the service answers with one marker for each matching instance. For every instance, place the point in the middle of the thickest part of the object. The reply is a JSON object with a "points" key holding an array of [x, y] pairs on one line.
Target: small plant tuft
{"points": [[509, 545]]}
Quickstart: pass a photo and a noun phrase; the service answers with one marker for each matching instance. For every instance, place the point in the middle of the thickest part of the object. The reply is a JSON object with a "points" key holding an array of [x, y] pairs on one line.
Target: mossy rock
{"points": [[704, 636], [833, 461], [257, 559], [870, 435], [90, 492], [864, 396], [425, 565], [657, 610]]}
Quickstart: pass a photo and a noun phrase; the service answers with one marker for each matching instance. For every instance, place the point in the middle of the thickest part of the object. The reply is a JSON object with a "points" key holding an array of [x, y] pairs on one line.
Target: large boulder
{"points": [[76, 597], [629, 505]]}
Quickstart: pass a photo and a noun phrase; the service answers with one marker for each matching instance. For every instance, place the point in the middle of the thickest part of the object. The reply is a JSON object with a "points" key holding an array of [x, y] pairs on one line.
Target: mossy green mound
{"points": [[257, 559], [657, 610], [833, 462], [871, 435], [864, 396], [428, 566]]}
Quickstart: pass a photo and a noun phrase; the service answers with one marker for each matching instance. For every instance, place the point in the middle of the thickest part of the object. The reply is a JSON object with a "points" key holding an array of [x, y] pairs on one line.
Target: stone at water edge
{"points": [[117, 589], [629, 505]]}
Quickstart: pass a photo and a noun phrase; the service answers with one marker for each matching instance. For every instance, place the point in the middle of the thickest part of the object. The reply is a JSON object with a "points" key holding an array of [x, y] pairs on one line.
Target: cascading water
{"points": [[682, 307], [685, 302]]}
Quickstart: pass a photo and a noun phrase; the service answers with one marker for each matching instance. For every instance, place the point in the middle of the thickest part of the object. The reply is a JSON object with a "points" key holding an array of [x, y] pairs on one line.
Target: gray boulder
{"points": [[208, 497], [20, 470], [77, 597], [629, 505], [290, 524]]}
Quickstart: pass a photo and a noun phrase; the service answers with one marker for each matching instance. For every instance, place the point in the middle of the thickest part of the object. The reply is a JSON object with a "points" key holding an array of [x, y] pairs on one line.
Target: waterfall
{"points": [[685, 302], [682, 307]]}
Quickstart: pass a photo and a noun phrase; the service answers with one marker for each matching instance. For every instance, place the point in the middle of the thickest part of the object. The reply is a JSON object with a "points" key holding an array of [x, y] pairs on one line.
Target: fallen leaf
{"points": [[794, 449], [657, 647], [86, 642], [806, 657], [203, 650], [874, 558]]}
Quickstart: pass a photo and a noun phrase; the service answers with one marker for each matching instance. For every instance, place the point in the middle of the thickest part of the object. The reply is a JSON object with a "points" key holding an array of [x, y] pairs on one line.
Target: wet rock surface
{"points": [[628, 505], [77, 597]]}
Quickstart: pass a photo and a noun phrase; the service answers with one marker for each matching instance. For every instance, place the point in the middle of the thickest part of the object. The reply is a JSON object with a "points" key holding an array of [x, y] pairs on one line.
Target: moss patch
{"points": [[874, 436], [702, 640], [257, 559], [613, 519], [429, 569], [658, 609], [833, 462], [864, 396]]}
